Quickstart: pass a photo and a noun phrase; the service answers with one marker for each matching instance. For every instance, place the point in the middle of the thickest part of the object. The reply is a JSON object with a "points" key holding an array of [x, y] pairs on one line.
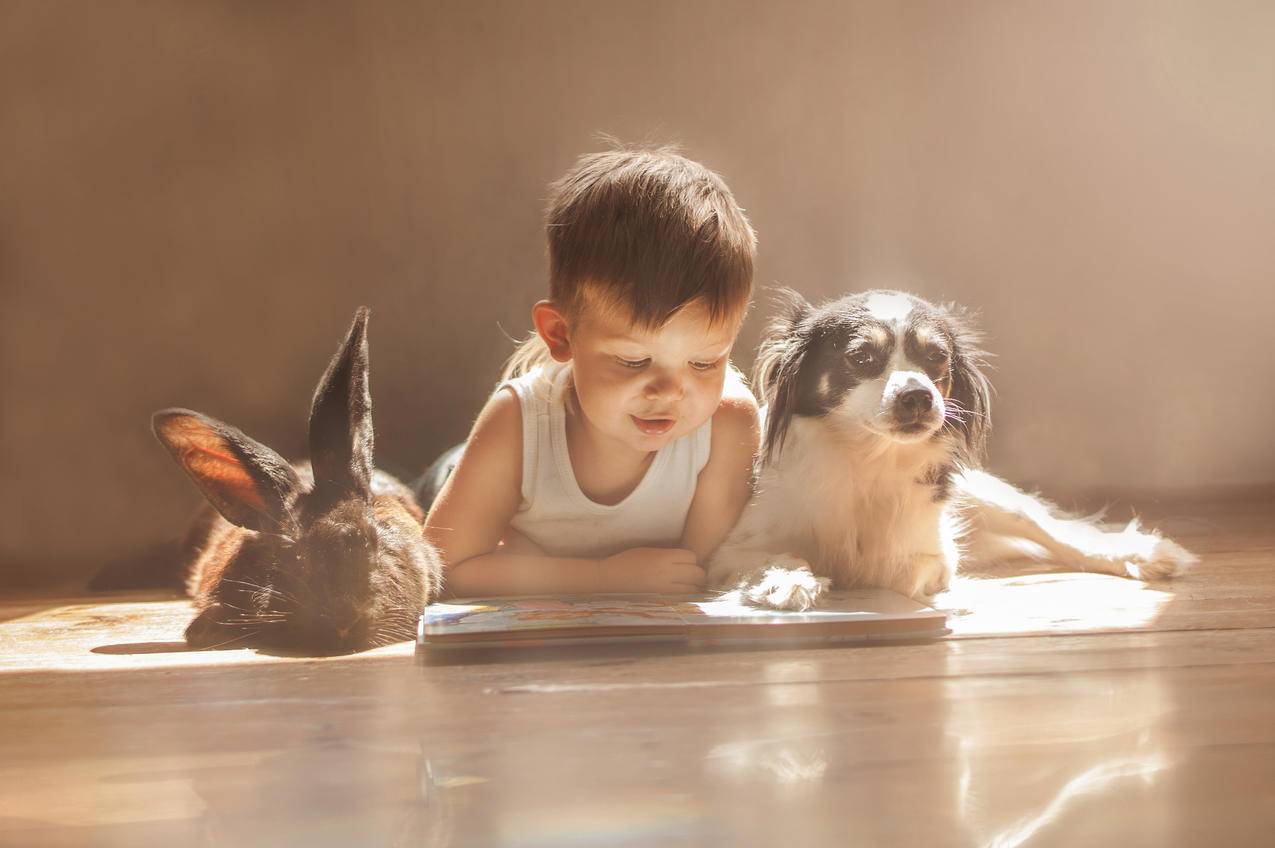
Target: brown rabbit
{"points": [[318, 558]]}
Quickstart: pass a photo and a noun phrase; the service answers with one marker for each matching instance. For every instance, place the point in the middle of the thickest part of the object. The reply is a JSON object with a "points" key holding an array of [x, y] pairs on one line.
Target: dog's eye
{"points": [[937, 355], [863, 358]]}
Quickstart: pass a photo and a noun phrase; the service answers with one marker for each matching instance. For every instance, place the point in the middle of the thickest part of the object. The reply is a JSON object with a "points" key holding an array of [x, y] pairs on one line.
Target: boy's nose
{"points": [[663, 386]]}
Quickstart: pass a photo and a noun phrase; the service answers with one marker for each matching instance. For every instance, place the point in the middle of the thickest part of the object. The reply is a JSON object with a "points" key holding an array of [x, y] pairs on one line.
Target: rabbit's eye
{"points": [[352, 537]]}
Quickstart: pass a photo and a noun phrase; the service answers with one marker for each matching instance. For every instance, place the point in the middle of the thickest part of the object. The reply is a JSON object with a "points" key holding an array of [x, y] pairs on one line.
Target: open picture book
{"points": [[845, 616]]}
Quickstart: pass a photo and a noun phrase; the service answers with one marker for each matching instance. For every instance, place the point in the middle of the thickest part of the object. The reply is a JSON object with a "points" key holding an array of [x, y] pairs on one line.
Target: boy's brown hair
{"points": [[644, 231]]}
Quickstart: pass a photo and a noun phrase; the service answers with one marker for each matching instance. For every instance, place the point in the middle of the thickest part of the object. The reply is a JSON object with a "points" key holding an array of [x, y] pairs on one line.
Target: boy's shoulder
{"points": [[500, 416], [737, 398], [737, 414], [736, 434]]}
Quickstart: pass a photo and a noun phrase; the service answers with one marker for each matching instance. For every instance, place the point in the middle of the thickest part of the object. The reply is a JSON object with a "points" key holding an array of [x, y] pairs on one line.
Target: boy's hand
{"points": [[665, 571]]}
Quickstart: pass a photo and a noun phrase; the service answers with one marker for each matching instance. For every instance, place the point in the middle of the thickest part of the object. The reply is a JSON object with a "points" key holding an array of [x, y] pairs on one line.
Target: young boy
{"points": [[617, 454]]}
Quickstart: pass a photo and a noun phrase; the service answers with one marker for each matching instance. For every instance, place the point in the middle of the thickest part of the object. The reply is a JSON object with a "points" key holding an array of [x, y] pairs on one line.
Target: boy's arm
{"points": [[667, 571], [474, 506], [725, 483], [473, 511]]}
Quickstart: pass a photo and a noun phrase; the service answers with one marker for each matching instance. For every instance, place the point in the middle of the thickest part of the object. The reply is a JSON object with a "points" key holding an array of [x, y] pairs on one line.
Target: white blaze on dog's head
{"points": [[890, 308]]}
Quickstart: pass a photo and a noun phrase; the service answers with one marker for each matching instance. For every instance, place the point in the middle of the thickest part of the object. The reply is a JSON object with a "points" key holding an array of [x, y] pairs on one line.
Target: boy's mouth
{"points": [[654, 426]]}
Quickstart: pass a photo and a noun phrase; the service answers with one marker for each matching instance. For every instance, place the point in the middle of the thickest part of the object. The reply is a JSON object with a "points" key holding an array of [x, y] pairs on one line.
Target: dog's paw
{"points": [[936, 585], [1166, 558], [787, 584], [931, 574]]}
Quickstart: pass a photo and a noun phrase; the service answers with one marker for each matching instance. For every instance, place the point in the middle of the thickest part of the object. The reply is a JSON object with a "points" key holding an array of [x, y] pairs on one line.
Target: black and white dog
{"points": [[877, 416]]}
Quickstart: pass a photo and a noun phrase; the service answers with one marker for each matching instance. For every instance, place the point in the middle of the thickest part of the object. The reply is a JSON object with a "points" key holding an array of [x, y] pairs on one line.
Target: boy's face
{"points": [[646, 388]]}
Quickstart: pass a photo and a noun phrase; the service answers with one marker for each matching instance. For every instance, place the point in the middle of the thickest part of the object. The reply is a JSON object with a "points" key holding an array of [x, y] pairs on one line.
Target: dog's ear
{"points": [[971, 390], [779, 356], [790, 309]]}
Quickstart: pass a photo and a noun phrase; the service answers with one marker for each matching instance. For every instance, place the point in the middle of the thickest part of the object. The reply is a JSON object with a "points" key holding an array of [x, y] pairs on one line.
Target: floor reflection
{"points": [[789, 750], [813, 760], [802, 749], [327, 794], [1050, 603], [1065, 758], [1092, 782]]}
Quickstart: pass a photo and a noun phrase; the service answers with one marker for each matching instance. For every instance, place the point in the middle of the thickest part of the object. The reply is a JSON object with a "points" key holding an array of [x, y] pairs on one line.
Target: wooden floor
{"points": [[1064, 710]]}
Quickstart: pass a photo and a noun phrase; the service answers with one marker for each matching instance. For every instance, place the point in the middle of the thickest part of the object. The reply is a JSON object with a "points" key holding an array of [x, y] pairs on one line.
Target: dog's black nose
{"points": [[913, 403]]}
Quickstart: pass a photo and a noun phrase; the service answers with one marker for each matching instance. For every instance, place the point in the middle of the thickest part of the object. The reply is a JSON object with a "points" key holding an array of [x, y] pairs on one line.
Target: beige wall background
{"points": [[195, 196]]}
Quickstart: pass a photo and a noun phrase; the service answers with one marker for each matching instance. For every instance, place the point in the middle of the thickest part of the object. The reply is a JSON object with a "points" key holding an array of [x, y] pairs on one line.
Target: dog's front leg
{"points": [[935, 570], [762, 578]]}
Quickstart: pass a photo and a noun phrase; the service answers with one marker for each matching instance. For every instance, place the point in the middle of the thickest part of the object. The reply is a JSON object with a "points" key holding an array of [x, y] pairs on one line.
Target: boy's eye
{"points": [[632, 363], [706, 366]]}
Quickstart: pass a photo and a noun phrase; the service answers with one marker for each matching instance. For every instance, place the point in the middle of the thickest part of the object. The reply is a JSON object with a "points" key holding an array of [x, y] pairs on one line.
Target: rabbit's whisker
{"points": [[267, 591], [230, 641]]}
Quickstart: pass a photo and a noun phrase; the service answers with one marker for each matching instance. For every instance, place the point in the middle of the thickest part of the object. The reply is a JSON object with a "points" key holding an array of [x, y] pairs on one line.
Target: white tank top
{"points": [[560, 518]]}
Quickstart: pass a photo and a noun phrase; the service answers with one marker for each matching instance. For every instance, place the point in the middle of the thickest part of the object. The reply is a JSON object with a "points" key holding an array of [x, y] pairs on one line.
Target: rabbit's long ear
{"points": [[248, 483], [341, 419]]}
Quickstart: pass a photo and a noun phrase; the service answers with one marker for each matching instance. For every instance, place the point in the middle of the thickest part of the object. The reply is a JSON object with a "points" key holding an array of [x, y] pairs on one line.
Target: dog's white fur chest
{"points": [[858, 509]]}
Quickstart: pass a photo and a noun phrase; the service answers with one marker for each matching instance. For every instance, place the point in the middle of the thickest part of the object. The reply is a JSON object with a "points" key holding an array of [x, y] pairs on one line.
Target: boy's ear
{"points": [[551, 324]]}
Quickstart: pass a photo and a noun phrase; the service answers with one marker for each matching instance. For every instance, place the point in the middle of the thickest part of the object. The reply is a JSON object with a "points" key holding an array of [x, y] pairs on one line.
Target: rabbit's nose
{"points": [[343, 632]]}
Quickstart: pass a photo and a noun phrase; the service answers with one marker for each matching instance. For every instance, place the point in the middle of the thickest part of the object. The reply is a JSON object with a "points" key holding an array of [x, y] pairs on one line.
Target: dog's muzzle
{"points": [[915, 406]]}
